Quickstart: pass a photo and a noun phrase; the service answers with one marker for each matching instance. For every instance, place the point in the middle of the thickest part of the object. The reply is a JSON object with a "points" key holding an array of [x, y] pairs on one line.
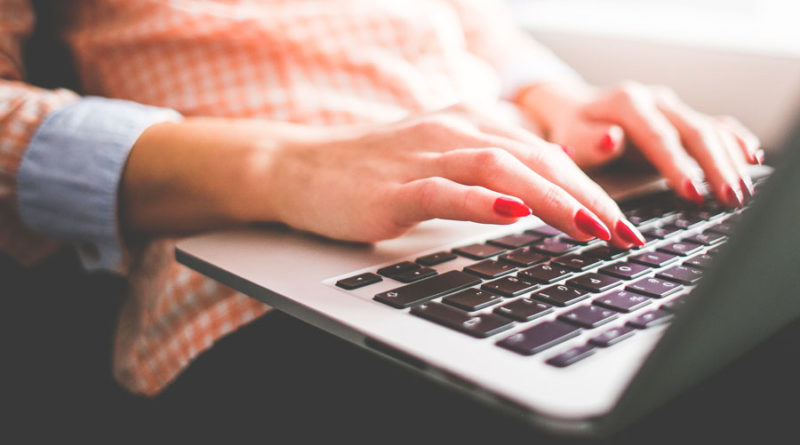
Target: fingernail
{"points": [[511, 208], [759, 156], [611, 139], [589, 224], [568, 150], [746, 185], [627, 232], [693, 192], [733, 196]]}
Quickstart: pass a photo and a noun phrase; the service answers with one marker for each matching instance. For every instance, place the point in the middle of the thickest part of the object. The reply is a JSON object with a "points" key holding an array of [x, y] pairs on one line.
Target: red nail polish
{"points": [[759, 155], [607, 143], [511, 208], [746, 185], [627, 232], [568, 150], [693, 192], [589, 224], [733, 196]]}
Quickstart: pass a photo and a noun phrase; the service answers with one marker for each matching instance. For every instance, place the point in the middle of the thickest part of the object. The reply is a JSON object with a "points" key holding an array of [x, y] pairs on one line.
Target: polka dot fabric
{"points": [[321, 62]]}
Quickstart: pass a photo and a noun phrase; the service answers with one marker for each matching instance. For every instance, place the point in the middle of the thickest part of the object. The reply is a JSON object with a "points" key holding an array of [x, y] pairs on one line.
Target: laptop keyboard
{"points": [[548, 288]]}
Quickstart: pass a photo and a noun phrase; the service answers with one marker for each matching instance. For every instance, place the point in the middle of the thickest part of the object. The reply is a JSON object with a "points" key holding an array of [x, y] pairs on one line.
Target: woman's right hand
{"points": [[376, 182]]}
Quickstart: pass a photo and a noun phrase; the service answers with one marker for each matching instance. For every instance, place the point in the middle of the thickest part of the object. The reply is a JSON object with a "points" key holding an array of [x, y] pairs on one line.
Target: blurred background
{"points": [[737, 57]]}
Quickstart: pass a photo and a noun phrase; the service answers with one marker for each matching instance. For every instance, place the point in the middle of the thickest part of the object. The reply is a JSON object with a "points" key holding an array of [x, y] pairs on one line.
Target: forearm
{"points": [[207, 173], [199, 174]]}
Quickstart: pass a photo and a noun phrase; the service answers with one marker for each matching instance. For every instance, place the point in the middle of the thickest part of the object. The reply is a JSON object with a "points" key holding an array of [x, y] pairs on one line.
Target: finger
{"points": [[747, 140], [552, 164], [539, 156], [634, 109], [437, 197], [737, 159], [703, 142], [595, 142], [497, 169]]}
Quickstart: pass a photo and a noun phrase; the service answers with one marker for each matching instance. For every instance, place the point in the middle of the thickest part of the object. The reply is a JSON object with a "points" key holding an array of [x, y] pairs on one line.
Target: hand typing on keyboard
{"points": [[671, 135], [375, 182]]}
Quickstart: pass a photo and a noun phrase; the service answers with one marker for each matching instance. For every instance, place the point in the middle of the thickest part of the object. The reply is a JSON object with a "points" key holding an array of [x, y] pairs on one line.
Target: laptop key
{"points": [[588, 316], [472, 299], [523, 309], [553, 246], [570, 240], [436, 286], [478, 251], [654, 287], [681, 274], [524, 257], [357, 281], [699, 261], [623, 301], [650, 319], [545, 273], [436, 258], [725, 228], [612, 336], [571, 355], [594, 282], [545, 231], [515, 241], [509, 286], [625, 270], [706, 238], [394, 269], [654, 259], [561, 295], [663, 232], [577, 262], [481, 325], [605, 252], [410, 276], [490, 269], [540, 337], [681, 248], [687, 221]]}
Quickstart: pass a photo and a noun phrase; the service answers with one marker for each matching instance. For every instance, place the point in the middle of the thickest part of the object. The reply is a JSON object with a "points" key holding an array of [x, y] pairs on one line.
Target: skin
{"points": [[372, 182], [683, 144]]}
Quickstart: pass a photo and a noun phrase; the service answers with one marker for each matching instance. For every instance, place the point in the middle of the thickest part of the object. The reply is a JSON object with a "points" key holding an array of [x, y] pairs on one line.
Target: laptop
{"points": [[524, 318]]}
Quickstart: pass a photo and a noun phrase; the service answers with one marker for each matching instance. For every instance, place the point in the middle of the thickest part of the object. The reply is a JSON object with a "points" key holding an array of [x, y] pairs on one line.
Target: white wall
{"points": [[733, 58]]}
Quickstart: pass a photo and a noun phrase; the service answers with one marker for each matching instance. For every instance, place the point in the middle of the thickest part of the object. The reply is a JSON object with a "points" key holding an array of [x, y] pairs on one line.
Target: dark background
{"points": [[279, 377]]}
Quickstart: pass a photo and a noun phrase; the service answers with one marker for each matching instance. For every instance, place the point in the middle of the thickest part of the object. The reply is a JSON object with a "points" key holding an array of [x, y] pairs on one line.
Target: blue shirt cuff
{"points": [[69, 176]]}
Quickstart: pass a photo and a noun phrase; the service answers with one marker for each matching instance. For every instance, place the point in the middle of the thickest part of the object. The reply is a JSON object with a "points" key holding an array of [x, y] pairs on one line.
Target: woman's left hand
{"points": [[682, 143]]}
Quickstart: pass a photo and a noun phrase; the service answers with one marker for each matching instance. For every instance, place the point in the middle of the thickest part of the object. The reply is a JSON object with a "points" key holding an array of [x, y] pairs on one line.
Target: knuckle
{"points": [[631, 93], [427, 192], [437, 125], [553, 198], [492, 159]]}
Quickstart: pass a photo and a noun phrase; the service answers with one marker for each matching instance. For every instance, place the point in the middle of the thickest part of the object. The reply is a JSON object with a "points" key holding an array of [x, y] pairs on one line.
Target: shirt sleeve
{"points": [[69, 176], [61, 159], [491, 34]]}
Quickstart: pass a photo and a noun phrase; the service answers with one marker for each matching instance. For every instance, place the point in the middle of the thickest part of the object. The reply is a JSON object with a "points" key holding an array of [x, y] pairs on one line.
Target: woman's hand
{"points": [[679, 141], [376, 182], [359, 183]]}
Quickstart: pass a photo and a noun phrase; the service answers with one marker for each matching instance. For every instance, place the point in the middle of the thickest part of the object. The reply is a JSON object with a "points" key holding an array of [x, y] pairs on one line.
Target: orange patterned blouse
{"points": [[321, 62]]}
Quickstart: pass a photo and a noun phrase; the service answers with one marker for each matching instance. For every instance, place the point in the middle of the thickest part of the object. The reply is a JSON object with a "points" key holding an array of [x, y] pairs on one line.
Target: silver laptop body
{"points": [[297, 273]]}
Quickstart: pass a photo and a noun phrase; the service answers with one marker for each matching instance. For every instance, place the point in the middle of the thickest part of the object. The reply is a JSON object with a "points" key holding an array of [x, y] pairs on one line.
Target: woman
{"points": [[348, 119]]}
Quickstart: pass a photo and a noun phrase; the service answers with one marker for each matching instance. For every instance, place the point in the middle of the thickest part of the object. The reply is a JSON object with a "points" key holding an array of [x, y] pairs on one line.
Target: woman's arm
{"points": [[361, 183]]}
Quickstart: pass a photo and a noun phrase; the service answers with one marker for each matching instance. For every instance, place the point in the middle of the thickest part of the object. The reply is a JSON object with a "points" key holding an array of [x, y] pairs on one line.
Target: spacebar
{"points": [[410, 294]]}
